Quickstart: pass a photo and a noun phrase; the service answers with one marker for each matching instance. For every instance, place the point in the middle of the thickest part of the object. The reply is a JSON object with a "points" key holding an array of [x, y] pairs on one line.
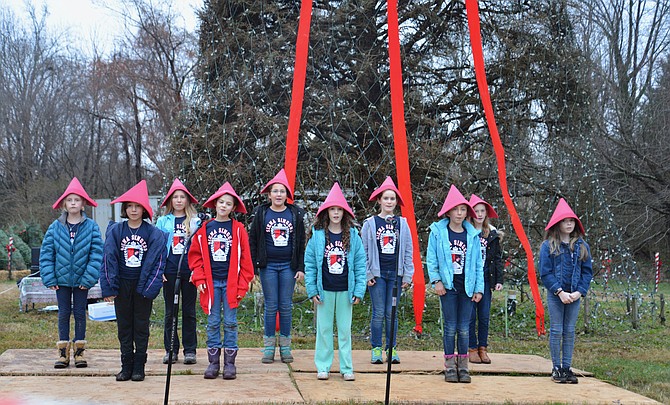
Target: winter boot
{"points": [[79, 360], [483, 355], [126, 367], [450, 373], [214, 357], [229, 370], [268, 350], [63, 347], [473, 355], [285, 349], [463, 372], [138, 366]]}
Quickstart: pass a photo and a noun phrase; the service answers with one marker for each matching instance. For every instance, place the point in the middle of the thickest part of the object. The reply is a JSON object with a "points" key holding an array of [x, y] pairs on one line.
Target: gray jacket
{"points": [[405, 254]]}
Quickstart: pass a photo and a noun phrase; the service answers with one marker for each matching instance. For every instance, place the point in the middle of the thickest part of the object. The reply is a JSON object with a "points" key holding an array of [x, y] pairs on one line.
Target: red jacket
{"points": [[240, 273]]}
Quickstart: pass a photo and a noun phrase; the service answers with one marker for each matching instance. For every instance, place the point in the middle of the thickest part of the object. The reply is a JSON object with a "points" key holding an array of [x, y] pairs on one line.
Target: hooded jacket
{"points": [[372, 253], [67, 264]]}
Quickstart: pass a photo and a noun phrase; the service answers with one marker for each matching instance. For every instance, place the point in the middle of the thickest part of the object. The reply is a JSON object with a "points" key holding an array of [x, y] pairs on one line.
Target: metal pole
{"points": [[399, 274]]}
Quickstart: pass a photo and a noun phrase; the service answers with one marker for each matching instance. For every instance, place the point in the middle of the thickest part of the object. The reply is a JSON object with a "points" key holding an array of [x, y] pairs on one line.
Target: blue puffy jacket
{"points": [[67, 264]]}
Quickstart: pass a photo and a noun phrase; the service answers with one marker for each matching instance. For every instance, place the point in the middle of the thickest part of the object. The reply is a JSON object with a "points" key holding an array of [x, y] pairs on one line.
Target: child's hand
{"points": [[81, 287], [566, 298], [201, 288], [476, 297], [316, 299], [575, 296], [110, 299], [164, 279], [371, 282], [299, 276], [356, 300], [439, 288], [498, 287], [54, 288]]}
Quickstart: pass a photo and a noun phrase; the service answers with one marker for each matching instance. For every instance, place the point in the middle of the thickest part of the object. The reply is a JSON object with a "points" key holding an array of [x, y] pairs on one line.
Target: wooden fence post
{"points": [[662, 310], [633, 312]]}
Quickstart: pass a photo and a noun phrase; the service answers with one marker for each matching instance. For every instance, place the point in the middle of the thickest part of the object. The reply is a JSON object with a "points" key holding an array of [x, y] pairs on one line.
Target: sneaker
{"points": [[558, 376], [189, 358], [322, 375], [395, 359], [348, 376], [376, 356], [166, 358], [570, 377]]}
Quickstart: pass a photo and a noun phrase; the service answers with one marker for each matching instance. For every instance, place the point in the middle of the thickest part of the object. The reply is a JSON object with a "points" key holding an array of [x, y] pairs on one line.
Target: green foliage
{"points": [[18, 263], [30, 232], [23, 248]]}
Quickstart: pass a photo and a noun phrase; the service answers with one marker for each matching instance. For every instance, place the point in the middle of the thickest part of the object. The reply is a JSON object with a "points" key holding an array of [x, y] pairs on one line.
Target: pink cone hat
{"points": [[226, 188], [388, 184], [336, 199], [455, 198], [490, 212], [75, 187], [178, 185], [280, 178], [137, 194], [561, 212]]}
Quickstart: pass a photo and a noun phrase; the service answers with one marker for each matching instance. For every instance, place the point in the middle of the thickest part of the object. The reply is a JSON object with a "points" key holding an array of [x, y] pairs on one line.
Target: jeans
{"points": [[456, 311], [133, 312], [563, 319], [189, 294], [381, 296], [333, 305], [278, 282], [481, 313], [220, 304], [71, 300]]}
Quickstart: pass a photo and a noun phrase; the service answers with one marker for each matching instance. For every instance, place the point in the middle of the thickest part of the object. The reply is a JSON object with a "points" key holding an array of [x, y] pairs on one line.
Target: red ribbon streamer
{"points": [[472, 9], [402, 159]]}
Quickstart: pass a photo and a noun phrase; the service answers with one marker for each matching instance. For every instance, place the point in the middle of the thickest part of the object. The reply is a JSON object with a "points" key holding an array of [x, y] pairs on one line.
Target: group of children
{"points": [[218, 259]]}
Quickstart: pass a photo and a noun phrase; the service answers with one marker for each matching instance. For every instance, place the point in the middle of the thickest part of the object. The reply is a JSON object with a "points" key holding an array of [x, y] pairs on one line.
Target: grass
{"points": [[632, 358]]}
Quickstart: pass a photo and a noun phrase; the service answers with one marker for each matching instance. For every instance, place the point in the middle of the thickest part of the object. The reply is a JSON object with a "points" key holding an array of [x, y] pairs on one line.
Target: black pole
{"points": [[394, 302]]}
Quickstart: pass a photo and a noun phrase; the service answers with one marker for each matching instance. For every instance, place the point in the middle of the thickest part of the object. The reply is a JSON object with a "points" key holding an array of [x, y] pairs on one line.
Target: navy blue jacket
{"points": [[565, 270]]}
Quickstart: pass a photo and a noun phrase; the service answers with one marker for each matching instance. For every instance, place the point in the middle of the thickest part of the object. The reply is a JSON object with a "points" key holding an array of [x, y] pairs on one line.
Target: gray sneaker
{"points": [[189, 358], [166, 358]]}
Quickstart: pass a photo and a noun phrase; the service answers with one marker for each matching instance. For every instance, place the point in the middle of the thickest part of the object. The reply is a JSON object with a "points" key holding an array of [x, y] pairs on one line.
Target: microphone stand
{"points": [[399, 274]]}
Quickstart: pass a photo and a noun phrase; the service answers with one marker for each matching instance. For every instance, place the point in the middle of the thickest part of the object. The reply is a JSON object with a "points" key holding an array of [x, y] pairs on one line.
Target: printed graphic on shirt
{"points": [[73, 231], [458, 249], [484, 242], [335, 257], [219, 241], [179, 239], [133, 247], [280, 230], [387, 239]]}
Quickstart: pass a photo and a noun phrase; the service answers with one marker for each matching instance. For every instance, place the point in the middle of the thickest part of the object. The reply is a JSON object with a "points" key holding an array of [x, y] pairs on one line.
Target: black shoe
{"points": [[123, 375], [558, 376], [570, 377]]}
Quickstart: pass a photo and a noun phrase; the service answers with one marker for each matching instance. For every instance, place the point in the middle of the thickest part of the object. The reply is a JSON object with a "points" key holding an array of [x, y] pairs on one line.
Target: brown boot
{"points": [[483, 355], [63, 347], [79, 360], [473, 355]]}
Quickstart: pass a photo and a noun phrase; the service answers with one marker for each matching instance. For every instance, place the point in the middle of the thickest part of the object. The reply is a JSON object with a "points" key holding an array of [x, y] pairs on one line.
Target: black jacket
{"points": [[494, 262], [257, 238]]}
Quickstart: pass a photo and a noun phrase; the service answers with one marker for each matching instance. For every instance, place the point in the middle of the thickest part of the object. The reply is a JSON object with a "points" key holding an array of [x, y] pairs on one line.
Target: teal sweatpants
{"points": [[337, 305]]}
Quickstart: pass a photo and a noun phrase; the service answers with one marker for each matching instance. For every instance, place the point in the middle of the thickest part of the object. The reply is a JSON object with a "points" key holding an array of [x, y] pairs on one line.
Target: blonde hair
{"points": [[554, 238], [188, 209]]}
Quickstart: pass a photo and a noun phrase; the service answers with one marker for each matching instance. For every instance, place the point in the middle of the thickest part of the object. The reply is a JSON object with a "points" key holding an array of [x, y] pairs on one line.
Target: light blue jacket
{"points": [[314, 260], [440, 265], [405, 254]]}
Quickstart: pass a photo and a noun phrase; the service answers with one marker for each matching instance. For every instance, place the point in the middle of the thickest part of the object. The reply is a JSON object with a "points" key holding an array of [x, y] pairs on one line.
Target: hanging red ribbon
{"points": [[472, 9], [402, 159]]}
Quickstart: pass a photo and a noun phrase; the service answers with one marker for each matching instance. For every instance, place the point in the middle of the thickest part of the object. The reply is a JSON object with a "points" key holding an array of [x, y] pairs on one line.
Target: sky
{"points": [[88, 21]]}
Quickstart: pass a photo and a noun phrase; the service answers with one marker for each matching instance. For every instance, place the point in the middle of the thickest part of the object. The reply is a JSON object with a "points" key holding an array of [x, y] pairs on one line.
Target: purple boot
{"points": [[214, 356], [229, 370]]}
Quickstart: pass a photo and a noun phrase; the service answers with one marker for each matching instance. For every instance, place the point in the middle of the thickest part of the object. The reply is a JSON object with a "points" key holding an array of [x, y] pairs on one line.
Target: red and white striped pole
{"points": [[657, 263]]}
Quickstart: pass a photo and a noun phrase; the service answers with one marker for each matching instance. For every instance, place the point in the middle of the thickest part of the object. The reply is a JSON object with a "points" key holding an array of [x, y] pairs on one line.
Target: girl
{"points": [[222, 269], [133, 265], [566, 272], [70, 260], [456, 272], [335, 280], [380, 240], [179, 212], [277, 242], [493, 278]]}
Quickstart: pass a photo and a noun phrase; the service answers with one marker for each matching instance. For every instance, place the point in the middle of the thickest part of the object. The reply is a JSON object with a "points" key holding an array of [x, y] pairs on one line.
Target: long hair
{"points": [[189, 209], [554, 237], [486, 227], [323, 220]]}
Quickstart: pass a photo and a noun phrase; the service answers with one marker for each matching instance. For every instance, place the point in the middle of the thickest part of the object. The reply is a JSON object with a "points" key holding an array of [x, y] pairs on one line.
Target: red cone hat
{"points": [[178, 185], [490, 212], [455, 198], [280, 178], [388, 184], [137, 194], [75, 187], [336, 199], [226, 189], [561, 212]]}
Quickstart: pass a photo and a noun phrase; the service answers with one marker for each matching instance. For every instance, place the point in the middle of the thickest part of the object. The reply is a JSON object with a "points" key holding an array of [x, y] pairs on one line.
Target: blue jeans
{"points": [[456, 311], [563, 319], [278, 282], [381, 296], [220, 304], [481, 313], [71, 300]]}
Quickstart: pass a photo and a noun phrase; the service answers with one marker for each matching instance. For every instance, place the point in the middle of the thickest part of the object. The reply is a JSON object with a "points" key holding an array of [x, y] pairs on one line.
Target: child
{"points": [[70, 261], [566, 272], [133, 265], [335, 280], [277, 242], [222, 269], [493, 278], [383, 251], [179, 212], [456, 272]]}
